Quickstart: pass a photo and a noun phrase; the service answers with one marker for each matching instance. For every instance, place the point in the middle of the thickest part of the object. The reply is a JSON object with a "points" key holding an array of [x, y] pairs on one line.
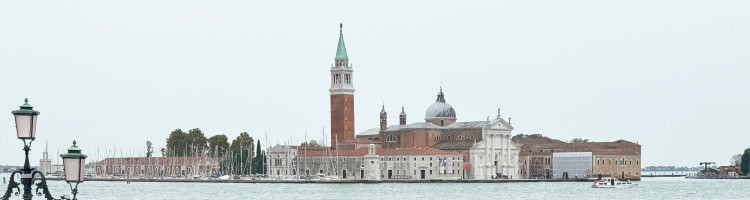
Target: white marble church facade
{"points": [[495, 156]]}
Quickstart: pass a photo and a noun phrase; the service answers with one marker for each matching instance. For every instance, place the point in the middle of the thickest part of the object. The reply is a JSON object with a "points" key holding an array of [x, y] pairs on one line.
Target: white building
{"points": [[45, 164], [281, 161], [495, 156], [371, 166]]}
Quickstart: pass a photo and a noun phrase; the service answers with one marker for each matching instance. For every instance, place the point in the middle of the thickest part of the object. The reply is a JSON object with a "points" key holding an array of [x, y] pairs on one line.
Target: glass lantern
{"points": [[74, 163], [26, 121]]}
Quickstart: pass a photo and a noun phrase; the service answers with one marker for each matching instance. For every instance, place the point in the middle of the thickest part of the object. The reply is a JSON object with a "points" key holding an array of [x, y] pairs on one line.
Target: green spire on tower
{"points": [[341, 49]]}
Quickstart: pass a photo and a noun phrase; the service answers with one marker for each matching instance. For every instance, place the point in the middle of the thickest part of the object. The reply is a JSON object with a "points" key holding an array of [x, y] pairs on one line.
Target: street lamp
{"points": [[74, 163], [26, 120]]}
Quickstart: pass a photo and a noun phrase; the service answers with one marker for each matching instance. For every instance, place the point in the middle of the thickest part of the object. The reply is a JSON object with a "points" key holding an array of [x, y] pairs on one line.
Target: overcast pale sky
{"points": [[670, 75]]}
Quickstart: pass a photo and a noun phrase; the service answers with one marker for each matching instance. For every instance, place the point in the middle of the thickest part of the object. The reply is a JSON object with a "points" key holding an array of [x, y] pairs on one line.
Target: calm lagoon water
{"points": [[648, 188]]}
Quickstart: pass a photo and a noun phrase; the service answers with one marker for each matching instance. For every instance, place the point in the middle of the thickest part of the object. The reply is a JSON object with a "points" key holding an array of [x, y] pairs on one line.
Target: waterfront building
{"points": [[373, 163], [282, 160], [438, 148], [729, 171], [495, 156], [620, 159], [45, 164], [157, 167], [485, 146]]}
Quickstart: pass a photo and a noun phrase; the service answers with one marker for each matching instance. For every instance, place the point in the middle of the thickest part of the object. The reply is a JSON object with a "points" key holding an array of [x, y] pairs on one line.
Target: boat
{"points": [[612, 183]]}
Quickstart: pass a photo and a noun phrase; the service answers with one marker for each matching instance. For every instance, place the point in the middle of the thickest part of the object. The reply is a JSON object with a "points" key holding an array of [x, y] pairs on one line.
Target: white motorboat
{"points": [[612, 183]]}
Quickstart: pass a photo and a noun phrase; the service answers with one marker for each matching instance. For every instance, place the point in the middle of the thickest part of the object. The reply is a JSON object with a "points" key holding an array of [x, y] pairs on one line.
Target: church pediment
{"points": [[500, 124]]}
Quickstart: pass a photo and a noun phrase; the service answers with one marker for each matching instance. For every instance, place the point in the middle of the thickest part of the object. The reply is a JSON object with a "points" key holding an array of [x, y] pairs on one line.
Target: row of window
{"points": [[337, 79], [623, 161], [392, 138]]}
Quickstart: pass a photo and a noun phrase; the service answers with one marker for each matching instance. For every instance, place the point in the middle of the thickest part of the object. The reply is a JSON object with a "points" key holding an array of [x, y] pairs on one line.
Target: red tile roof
{"points": [[358, 141], [379, 151]]}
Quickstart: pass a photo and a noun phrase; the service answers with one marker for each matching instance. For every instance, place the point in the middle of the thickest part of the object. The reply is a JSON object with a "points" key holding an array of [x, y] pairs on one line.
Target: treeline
{"points": [[242, 156]]}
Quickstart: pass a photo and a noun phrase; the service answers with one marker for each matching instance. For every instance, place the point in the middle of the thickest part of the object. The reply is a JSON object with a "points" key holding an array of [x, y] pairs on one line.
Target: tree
{"points": [[736, 160], [745, 162], [311, 143], [192, 143], [197, 143], [163, 152], [579, 141], [176, 143], [242, 151], [217, 145], [258, 161], [149, 149]]}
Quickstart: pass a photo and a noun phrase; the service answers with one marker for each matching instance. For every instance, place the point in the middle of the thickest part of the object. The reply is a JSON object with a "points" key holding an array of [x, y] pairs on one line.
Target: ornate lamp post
{"points": [[26, 120]]}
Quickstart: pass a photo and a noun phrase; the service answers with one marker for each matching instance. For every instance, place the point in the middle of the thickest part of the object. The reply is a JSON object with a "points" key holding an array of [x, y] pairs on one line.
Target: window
{"points": [[460, 137], [437, 138], [449, 137], [390, 138]]}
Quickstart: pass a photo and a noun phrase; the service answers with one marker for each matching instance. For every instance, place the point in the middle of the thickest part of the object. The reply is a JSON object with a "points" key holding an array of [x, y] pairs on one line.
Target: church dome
{"points": [[440, 109]]}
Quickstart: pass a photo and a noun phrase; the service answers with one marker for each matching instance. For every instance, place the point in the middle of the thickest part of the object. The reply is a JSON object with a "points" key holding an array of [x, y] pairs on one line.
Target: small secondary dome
{"points": [[440, 109]]}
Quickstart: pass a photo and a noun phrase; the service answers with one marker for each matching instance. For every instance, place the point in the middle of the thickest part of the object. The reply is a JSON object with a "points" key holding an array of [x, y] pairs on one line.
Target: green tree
{"points": [[197, 143], [217, 145], [149, 149], [745, 163], [258, 161], [192, 143], [578, 140], [242, 151], [311, 143], [176, 143]]}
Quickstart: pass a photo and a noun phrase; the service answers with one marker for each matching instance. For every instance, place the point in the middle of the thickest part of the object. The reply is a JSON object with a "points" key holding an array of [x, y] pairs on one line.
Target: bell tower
{"points": [[342, 94], [383, 119]]}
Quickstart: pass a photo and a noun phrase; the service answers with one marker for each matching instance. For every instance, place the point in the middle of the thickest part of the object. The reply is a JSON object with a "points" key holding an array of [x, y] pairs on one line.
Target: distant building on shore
{"points": [[157, 167], [45, 164], [471, 150], [546, 158], [370, 163]]}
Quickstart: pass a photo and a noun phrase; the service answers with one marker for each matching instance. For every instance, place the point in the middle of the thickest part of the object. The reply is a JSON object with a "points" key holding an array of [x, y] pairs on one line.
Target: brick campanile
{"points": [[342, 94]]}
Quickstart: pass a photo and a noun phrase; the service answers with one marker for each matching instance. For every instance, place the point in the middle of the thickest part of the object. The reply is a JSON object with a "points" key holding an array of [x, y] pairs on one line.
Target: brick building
{"points": [[620, 159]]}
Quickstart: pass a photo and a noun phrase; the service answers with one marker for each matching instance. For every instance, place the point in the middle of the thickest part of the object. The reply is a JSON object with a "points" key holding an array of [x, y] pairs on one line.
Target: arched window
{"points": [[460, 137], [437, 138], [390, 138]]}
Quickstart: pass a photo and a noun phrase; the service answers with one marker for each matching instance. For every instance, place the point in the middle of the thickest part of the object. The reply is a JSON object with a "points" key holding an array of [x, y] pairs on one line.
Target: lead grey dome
{"points": [[440, 109]]}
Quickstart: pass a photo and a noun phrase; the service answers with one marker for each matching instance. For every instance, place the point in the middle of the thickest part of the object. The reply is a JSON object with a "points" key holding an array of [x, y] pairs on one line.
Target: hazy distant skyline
{"points": [[670, 75]]}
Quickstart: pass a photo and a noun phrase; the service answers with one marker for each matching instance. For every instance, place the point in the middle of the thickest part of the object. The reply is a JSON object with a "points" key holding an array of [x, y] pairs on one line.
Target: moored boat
{"points": [[612, 183]]}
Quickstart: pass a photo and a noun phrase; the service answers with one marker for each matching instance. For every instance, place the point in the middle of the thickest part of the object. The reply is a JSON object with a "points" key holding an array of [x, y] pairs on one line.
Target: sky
{"points": [[669, 75]]}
